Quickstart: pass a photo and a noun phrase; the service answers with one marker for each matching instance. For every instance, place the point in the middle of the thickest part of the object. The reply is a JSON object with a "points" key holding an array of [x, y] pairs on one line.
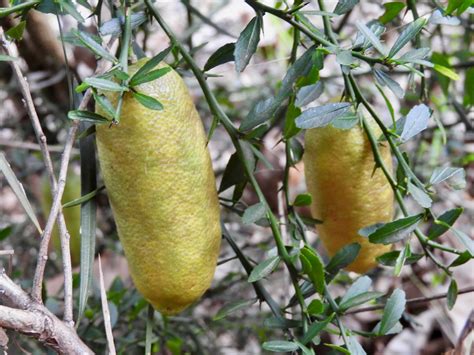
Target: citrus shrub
{"points": [[161, 186], [347, 193], [72, 215]]}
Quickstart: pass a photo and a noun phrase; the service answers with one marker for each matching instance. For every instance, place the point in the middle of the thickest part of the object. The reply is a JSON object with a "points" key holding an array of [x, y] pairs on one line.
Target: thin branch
{"points": [[57, 190], [34, 146], [412, 301], [206, 20], [22, 314]]}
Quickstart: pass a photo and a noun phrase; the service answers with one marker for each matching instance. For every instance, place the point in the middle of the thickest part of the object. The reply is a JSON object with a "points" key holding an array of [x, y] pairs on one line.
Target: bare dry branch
{"points": [[24, 315], [57, 190]]}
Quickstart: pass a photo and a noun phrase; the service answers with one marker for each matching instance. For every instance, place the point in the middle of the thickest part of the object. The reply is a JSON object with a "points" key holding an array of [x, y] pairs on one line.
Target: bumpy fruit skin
{"points": [[72, 215], [347, 194], [160, 182]]}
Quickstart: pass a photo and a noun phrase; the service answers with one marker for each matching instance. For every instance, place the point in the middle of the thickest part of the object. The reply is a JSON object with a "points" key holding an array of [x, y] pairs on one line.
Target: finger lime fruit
{"points": [[347, 194], [161, 186], [72, 215]]}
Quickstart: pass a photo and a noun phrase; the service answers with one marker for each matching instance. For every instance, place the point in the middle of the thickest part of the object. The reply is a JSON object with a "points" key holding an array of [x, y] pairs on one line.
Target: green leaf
{"points": [[281, 323], [415, 122], [16, 32], [253, 213], [395, 231], [87, 40], [354, 347], [371, 37], [458, 5], [344, 6], [234, 173], [465, 240], [5, 11], [322, 115], [456, 177], [303, 200], [343, 257], [447, 72], [83, 199], [401, 260], [222, 55], [461, 259], [148, 101], [88, 217], [468, 85], [149, 76], [384, 80], [264, 269], [70, 8], [233, 307], [361, 42], [149, 336], [5, 232], [315, 307], [315, 328], [313, 267], [444, 222], [104, 84], [452, 294], [407, 35], [344, 57], [309, 93], [87, 116], [152, 63], [416, 56], [105, 104], [247, 43], [390, 258], [361, 285], [419, 195], [280, 346], [392, 313], [18, 190], [359, 299], [338, 348], [392, 9]]}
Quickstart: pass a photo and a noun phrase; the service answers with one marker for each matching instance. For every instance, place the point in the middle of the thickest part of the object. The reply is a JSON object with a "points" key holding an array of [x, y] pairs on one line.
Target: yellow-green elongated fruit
{"points": [[72, 215], [161, 186], [347, 194]]}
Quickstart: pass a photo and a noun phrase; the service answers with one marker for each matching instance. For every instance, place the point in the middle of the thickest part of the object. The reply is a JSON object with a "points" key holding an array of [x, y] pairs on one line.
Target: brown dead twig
{"points": [[19, 312], [30, 317]]}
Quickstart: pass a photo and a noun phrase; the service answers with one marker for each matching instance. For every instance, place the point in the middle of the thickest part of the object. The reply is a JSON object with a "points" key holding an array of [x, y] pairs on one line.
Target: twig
{"points": [[106, 312], [57, 189], [34, 146], [207, 21], [412, 301], [21, 313]]}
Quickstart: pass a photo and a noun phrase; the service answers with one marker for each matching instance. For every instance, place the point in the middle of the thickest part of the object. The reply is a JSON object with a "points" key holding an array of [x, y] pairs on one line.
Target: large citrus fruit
{"points": [[161, 186], [347, 194]]}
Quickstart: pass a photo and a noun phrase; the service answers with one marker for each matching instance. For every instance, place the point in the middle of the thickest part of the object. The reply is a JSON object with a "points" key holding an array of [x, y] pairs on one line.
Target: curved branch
{"points": [[22, 314]]}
